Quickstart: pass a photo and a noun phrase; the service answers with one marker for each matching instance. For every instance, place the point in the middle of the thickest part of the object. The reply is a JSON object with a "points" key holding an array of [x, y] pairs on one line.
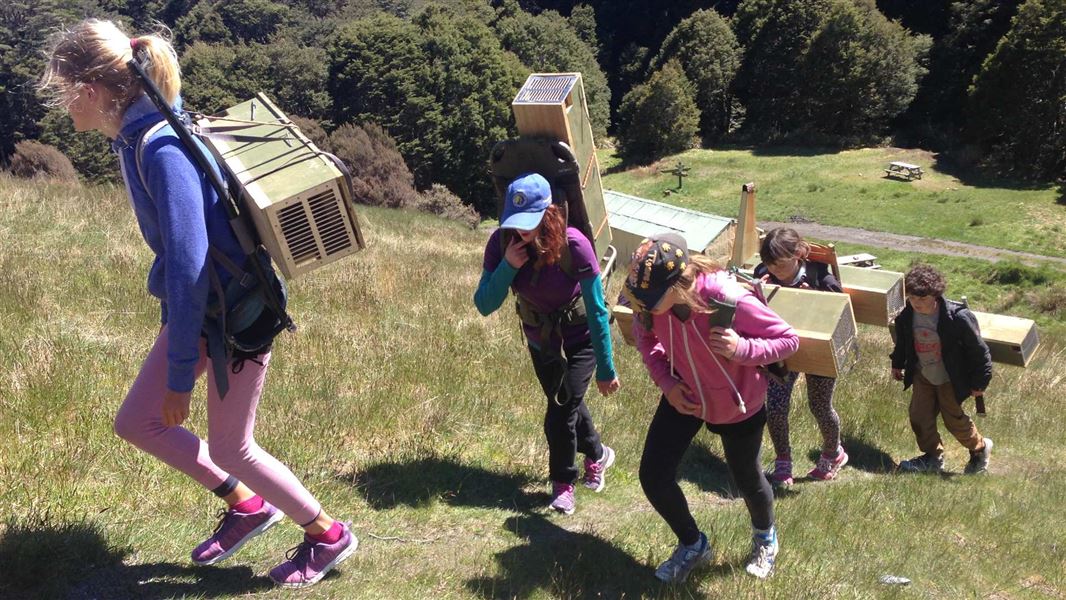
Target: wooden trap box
{"points": [[876, 296], [553, 106], [296, 196], [1011, 340], [826, 327], [823, 320]]}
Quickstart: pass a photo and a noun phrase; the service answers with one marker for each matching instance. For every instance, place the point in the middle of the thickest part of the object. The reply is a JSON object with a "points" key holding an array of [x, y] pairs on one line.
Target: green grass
{"points": [[418, 420], [849, 188]]}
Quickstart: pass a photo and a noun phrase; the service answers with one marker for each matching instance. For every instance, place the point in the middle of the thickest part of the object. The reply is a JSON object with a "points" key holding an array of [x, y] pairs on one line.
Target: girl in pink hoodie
{"points": [[707, 367]]}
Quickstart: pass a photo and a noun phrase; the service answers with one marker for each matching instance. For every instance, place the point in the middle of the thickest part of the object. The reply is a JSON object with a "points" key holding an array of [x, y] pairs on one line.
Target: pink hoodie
{"points": [[729, 391]]}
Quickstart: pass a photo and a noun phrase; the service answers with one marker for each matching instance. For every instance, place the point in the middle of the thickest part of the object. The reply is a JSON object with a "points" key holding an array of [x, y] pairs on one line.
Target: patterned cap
{"points": [[656, 264]]}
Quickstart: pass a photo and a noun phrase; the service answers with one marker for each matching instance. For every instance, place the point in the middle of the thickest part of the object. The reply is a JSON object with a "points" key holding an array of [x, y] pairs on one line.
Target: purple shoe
{"points": [[595, 471], [234, 529], [563, 498], [309, 562]]}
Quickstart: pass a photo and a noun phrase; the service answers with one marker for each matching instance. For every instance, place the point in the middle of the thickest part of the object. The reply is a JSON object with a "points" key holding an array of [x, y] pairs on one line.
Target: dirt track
{"points": [[910, 243]]}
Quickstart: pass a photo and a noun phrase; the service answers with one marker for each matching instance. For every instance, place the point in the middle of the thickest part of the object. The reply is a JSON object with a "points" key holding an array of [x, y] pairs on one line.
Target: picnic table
{"points": [[903, 170]]}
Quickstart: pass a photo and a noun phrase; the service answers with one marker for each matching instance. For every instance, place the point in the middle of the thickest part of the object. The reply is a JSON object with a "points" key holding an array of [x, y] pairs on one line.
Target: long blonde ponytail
{"points": [[96, 51]]}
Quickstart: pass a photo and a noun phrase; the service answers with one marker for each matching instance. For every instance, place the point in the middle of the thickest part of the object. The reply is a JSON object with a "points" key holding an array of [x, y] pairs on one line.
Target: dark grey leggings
{"points": [[669, 435]]}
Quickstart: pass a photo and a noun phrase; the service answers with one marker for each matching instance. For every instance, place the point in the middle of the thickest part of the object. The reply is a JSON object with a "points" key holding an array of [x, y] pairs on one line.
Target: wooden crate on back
{"points": [[553, 106], [823, 320], [877, 296], [1011, 340]]}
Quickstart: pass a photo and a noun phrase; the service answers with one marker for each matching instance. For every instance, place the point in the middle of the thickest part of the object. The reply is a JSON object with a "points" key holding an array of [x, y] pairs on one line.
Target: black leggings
{"points": [[568, 425], [670, 434]]}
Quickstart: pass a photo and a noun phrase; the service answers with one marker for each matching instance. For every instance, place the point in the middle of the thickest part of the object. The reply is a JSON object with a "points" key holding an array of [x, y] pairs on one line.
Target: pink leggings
{"points": [[232, 449]]}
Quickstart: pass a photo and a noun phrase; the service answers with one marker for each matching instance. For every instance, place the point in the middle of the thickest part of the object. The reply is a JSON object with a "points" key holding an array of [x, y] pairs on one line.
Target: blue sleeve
{"points": [[599, 327], [178, 191], [492, 289]]}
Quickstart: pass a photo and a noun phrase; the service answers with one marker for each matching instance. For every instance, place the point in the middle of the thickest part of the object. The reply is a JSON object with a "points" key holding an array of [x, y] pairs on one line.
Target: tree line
{"points": [[982, 81]]}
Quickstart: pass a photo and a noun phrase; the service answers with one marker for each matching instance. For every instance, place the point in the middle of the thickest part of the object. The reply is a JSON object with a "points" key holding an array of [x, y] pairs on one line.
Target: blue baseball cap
{"points": [[528, 196]]}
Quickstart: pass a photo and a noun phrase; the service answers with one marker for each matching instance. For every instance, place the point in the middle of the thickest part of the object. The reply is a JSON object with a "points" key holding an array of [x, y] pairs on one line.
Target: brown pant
{"points": [[926, 401]]}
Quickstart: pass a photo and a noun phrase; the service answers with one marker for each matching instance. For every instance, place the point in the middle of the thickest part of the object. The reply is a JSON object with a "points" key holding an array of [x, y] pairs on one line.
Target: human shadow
{"points": [[559, 563], [45, 559], [417, 483], [707, 470], [862, 455]]}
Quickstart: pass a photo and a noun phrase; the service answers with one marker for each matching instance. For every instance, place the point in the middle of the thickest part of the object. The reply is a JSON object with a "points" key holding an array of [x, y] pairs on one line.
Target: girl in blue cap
{"points": [[554, 271]]}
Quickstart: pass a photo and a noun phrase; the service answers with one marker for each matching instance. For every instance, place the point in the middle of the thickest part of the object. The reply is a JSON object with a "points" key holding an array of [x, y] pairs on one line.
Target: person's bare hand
{"points": [[175, 407], [678, 397], [516, 254]]}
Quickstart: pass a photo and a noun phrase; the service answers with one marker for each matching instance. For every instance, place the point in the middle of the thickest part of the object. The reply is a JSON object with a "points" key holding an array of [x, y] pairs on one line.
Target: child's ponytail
{"points": [[160, 62]]}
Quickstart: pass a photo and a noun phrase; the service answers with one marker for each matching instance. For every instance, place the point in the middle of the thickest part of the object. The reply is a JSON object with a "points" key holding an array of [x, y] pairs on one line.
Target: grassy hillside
{"points": [[849, 188], [409, 414]]}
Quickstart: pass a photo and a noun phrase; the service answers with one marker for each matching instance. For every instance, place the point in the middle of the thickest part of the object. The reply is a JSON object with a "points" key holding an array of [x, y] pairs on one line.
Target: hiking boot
{"points": [[595, 470], [683, 560], [781, 475], [763, 556], [309, 562], [563, 498], [979, 460], [926, 463], [234, 529], [827, 467]]}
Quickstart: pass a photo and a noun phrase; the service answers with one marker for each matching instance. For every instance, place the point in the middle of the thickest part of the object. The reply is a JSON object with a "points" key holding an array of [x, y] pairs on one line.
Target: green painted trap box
{"points": [[296, 195]]}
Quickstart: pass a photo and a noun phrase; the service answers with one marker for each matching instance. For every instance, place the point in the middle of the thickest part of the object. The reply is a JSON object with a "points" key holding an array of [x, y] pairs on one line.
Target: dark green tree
{"points": [[546, 43], [707, 49], [228, 21], [294, 77], [441, 85], [658, 117], [832, 71], [1017, 109], [934, 118], [582, 20]]}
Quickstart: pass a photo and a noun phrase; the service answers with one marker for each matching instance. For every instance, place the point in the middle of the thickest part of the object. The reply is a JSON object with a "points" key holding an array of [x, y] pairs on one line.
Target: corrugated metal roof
{"points": [[644, 217]]}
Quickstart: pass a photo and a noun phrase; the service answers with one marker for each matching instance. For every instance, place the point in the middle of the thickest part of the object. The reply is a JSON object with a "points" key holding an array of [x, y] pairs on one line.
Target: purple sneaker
{"points": [[563, 497], [234, 529], [309, 562], [595, 471]]}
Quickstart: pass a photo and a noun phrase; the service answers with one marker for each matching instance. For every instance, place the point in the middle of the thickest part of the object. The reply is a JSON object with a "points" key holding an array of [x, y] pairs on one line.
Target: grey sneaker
{"points": [[596, 470], [563, 498], [926, 463], [763, 556], [979, 460], [683, 560]]}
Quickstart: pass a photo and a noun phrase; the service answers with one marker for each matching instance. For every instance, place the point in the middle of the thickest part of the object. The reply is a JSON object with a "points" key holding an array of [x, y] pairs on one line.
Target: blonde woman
{"points": [[180, 218]]}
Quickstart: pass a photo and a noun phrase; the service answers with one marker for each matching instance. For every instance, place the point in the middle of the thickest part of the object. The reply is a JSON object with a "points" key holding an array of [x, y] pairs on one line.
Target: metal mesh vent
{"points": [[296, 233], [330, 222], [844, 338], [546, 89], [895, 299]]}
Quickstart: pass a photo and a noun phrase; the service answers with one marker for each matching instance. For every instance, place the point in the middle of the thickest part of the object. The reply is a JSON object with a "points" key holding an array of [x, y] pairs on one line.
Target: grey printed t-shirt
{"points": [[927, 346]]}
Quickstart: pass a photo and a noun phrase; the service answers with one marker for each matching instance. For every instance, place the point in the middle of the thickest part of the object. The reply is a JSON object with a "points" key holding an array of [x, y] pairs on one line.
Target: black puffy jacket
{"points": [[966, 356]]}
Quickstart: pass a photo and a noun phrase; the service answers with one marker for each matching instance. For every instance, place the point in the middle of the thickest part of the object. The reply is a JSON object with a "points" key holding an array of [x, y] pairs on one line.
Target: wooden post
{"points": [[746, 244]]}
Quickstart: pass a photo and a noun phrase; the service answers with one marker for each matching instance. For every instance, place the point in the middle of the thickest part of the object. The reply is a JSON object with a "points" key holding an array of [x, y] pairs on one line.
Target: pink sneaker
{"points": [[827, 467], [595, 470], [309, 562], [234, 529], [781, 475], [563, 498]]}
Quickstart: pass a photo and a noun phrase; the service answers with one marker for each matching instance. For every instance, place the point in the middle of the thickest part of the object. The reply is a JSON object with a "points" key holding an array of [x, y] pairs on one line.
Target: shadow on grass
{"points": [[972, 176], [45, 559], [417, 483], [560, 563], [707, 470], [862, 455]]}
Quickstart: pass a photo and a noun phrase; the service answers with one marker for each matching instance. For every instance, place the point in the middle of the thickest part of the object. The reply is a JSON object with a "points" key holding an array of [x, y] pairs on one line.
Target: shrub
{"points": [[1012, 272], [379, 174], [440, 201], [314, 132], [34, 159], [659, 117]]}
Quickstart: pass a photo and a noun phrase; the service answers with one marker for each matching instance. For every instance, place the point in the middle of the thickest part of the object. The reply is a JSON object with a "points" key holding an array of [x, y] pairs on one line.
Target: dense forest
{"points": [[983, 82]]}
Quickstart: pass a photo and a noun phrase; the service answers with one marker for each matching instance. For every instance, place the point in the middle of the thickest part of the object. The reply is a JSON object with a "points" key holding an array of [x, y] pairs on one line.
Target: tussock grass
{"points": [[418, 420]]}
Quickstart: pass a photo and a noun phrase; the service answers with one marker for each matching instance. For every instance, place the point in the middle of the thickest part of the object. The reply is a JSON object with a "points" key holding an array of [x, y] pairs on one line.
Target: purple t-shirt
{"points": [[555, 289]]}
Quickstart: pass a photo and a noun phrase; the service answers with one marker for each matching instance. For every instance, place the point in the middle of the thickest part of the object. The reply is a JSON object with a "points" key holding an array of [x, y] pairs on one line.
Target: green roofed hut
{"points": [[632, 219]]}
